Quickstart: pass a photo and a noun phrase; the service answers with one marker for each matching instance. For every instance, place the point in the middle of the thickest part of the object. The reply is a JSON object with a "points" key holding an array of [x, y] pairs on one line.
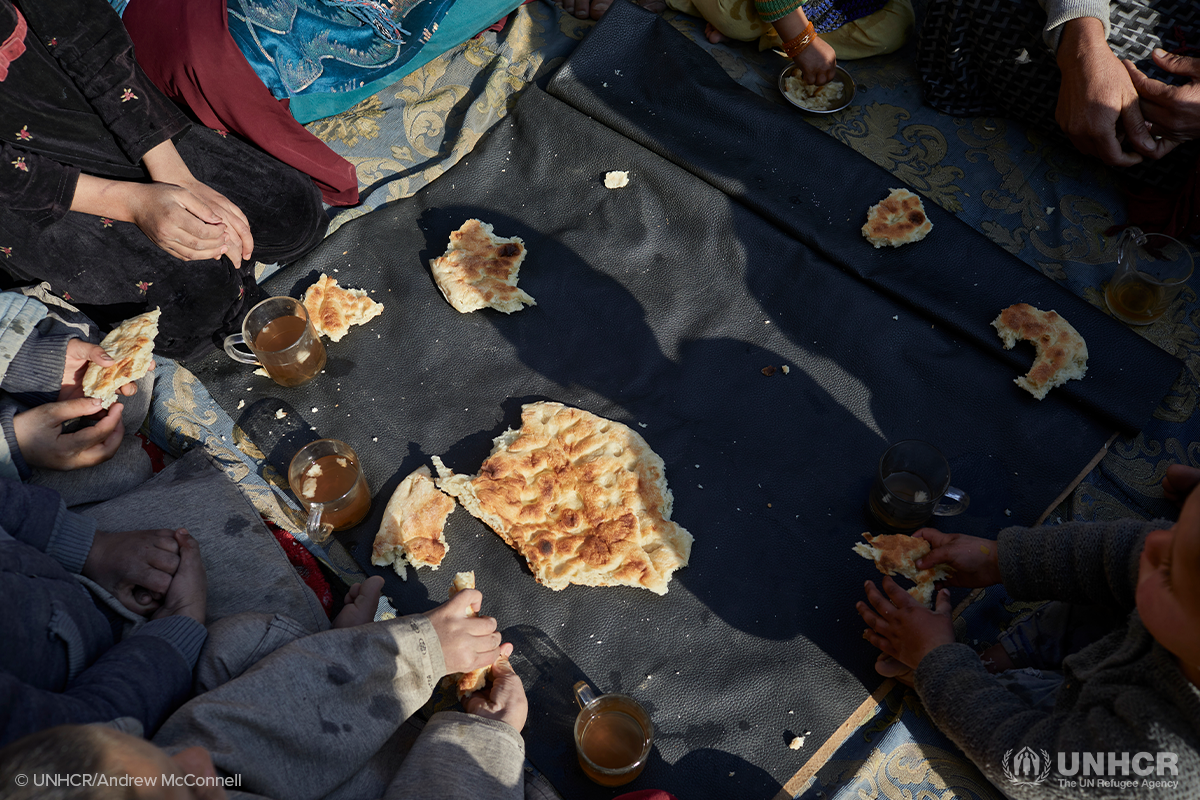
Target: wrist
{"points": [[1079, 36], [165, 165]]}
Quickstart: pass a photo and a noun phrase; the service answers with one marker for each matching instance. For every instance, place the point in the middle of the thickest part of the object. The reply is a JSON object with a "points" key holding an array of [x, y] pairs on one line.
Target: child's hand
{"points": [[135, 566], [1179, 482], [468, 642], [188, 592], [79, 355], [976, 561], [505, 701], [816, 62], [43, 444], [903, 628]]}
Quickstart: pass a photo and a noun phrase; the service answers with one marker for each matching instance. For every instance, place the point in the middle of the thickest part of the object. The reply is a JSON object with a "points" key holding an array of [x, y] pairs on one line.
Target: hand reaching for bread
{"points": [[976, 561]]}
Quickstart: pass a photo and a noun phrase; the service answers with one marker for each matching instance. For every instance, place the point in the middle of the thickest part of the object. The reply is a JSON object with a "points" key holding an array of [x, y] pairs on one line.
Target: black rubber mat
{"points": [[660, 305]]}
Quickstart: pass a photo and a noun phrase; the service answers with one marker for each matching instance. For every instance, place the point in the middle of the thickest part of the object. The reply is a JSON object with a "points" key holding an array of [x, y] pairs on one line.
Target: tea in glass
{"points": [[326, 474], [613, 736], [281, 340]]}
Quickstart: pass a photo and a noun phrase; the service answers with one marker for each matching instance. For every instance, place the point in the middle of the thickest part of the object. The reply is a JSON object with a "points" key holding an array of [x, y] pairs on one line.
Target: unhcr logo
{"points": [[1028, 767]]}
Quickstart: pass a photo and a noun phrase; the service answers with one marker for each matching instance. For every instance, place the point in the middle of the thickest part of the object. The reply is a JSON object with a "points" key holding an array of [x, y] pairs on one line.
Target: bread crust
{"points": [[413, 525], [897, 554], [332, 309], [479, 270], [896, 220], [131, 345], [582, 498], [1061, 352]]}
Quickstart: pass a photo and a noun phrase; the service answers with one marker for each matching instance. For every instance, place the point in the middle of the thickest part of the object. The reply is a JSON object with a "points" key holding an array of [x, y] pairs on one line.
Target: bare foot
{"points": [[713, 35], [361, 602]]}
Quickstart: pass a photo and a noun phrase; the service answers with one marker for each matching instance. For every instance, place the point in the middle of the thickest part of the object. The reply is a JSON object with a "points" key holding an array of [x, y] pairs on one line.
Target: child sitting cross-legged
{"points": [[1105, 678]]}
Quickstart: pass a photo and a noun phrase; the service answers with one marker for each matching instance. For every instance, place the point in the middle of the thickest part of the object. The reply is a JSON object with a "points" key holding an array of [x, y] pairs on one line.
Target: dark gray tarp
{"points": [[736, 246]]}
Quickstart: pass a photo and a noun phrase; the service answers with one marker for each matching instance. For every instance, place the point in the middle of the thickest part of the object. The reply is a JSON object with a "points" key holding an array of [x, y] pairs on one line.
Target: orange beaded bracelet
{"points": [[794, 47]]}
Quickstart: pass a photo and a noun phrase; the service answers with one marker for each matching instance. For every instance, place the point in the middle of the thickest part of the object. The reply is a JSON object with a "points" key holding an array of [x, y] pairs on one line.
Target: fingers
{"points": [[1179, 481], [90, 352], [941, 603], [883, 607], [899, 597], [465, 603], [59, 412], [1187, 66], [97, 443], [1137, 131]]}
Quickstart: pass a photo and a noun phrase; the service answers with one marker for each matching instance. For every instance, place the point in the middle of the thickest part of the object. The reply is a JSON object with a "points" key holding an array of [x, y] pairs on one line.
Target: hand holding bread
{"points": [[468, 642], [975, 561]]}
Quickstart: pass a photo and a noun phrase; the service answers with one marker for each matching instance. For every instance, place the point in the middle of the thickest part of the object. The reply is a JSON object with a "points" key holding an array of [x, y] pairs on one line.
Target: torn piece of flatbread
{"points": [[582, 498], [897, 554], [412, 528], [131, 345], [897, 219], [467, 683], [333, 309], [1061, 352], [479, 270]]}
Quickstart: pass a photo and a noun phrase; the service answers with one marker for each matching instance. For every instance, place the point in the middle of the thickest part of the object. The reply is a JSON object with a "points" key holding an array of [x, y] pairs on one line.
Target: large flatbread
{"points": [[897, 554], [897, 219], [1061, 352], [479, 270], [131, 345], [412, 527], [583, 498], [467, 683], [333, 309]]}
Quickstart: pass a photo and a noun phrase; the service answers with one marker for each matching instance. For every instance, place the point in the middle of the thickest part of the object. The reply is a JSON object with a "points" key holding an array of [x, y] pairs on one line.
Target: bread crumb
{"points": [[263, 372], [796, 743], [280, 414], [617, 179], [786, 369], [241, 404], [768, 370]]}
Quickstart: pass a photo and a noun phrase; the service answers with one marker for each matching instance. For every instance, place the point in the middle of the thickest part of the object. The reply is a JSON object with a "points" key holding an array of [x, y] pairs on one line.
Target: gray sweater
{"points": [[1060, 12], [1121, 694]]}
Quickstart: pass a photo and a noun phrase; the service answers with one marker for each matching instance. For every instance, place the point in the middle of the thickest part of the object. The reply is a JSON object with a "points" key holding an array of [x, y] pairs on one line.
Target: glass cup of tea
{"points": [[281, 340], [911, 485], [613, 736], [326, 478], [1151, 269]]}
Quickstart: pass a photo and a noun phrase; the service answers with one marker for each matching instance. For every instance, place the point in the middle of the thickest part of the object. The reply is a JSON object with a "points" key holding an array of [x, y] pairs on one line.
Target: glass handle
{"points": [[231, 342], [1132, 233], [315, 529], [584, 694], [957, 505]]}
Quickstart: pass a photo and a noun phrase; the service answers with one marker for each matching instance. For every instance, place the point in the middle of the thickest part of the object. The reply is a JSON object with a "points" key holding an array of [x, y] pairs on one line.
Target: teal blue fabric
{"points": [[325, 60]]}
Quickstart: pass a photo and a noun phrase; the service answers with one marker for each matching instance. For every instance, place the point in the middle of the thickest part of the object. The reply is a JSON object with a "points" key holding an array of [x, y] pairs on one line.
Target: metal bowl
{"points": [[841, 75]]}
